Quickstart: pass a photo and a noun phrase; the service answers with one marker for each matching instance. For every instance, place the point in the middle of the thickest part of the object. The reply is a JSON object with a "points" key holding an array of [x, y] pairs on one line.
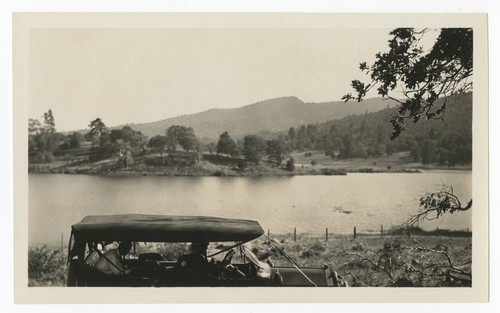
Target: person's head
{"points": [[124, 247], [199, 247]]}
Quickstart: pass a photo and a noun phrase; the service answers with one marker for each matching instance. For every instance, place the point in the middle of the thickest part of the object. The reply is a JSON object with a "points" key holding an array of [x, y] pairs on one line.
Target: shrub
{"points": [[44, 157], [314, 249], [390, 245], [219, 173], [242, 165], [357, 247], [46, 267]]}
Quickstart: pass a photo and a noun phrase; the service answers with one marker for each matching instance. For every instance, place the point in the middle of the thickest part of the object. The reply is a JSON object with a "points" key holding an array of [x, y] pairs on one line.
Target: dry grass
{"points": [[380, 261]]}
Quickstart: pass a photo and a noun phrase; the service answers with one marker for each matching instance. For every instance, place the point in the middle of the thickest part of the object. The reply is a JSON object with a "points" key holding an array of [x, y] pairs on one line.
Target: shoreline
{"points": [[204, 170], [208, 166], [319, 171]]}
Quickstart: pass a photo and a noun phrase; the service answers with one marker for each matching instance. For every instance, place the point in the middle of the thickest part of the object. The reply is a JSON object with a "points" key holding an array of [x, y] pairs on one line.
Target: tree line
{"points": [[357, 136], [44, 141], [369, 135]]}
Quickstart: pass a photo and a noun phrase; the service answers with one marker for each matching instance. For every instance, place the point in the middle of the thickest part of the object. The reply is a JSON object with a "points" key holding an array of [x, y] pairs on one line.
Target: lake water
{"points": [[309, 203]]}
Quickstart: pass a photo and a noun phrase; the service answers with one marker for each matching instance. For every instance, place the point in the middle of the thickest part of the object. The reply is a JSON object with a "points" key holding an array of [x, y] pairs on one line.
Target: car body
{"points": [[146, 267]]}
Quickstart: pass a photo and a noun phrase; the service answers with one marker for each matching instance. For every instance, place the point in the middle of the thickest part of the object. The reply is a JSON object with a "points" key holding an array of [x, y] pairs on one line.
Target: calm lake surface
{"points": [[309, 203]]}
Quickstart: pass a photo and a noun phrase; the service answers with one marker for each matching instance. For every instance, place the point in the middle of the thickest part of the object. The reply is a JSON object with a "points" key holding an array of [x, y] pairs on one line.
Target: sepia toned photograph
{"points": [[331, 153]]}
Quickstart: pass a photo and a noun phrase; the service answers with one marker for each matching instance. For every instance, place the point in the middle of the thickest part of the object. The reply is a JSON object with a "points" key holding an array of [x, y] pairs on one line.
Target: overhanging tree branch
{"points": [[435, 204], [422, 77]]}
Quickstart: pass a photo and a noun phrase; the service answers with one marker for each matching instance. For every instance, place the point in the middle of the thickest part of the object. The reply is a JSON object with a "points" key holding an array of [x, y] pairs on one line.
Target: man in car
{"points": [[196, 260], [110, 261]]}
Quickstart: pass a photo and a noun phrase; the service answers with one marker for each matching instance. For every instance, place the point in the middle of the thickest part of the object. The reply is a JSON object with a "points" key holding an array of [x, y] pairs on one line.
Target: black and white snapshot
{"points": [[242, 156]]}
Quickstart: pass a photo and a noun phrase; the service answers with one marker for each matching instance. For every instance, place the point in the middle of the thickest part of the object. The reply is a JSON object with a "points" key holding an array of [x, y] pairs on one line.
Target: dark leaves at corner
{"points": [[347, 97], [360, 88]]}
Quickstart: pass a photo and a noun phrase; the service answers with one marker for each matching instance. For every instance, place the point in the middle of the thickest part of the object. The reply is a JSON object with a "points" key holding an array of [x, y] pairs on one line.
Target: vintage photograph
{"points": [[221, 153]]}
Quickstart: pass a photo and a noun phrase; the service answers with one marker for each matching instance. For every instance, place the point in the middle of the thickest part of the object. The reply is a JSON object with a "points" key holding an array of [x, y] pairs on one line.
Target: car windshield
{"points": [[171, 251]]}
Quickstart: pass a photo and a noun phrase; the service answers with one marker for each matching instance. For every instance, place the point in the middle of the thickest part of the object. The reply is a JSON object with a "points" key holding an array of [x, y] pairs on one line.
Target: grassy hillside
{"points": [[447, 142]]}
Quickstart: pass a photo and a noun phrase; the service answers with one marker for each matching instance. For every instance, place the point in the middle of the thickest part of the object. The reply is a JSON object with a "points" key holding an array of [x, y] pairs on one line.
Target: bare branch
{"points": [[363, 258], [442, 252]]}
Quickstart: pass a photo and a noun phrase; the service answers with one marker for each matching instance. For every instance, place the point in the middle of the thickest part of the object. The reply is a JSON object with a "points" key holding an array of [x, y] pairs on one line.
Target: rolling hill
{"points": [[272, 115]]}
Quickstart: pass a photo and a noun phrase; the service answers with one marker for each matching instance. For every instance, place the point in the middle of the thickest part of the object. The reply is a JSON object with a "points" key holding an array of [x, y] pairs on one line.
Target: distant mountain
{"points": [[272, 115]]}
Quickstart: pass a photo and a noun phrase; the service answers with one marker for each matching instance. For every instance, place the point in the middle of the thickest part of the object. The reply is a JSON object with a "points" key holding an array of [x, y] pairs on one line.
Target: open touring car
{"points": [[155, 254]]}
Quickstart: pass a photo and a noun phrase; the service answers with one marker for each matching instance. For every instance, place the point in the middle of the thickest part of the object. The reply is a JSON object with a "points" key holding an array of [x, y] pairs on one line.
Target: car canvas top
{"points": [[165, 228]]}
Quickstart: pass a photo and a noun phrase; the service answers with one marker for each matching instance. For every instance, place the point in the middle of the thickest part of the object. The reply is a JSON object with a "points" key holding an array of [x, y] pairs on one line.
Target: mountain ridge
{"points": [[272, 115]]}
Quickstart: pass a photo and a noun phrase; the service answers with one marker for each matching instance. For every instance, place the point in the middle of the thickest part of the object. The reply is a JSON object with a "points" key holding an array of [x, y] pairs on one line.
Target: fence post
{"points": [[294, 234], [62, 238], [268, 232], [354, 232], [326, 234], [381, 229]]}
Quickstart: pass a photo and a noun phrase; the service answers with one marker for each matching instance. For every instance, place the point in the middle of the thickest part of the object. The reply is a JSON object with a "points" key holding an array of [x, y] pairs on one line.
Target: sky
{"points": [[143, 75]]}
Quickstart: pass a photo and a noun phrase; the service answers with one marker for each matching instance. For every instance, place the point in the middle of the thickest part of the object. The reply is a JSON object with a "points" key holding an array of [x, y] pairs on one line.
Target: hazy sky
{"points": [[144, 75]]}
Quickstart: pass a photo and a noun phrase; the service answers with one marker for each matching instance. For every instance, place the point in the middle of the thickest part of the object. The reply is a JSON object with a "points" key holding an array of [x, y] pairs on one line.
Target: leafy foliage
{"points": [[125, 142], [183, 136], [106, 143], [46, 267], [253, 148], [278, 149], [158, 143], [434, 204], [127, 136], [369, 135], [226, 145], [49, 122], [291, 133], [97, 130], [421, 77], [102, 147], [74, 140], [43, 139]]}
